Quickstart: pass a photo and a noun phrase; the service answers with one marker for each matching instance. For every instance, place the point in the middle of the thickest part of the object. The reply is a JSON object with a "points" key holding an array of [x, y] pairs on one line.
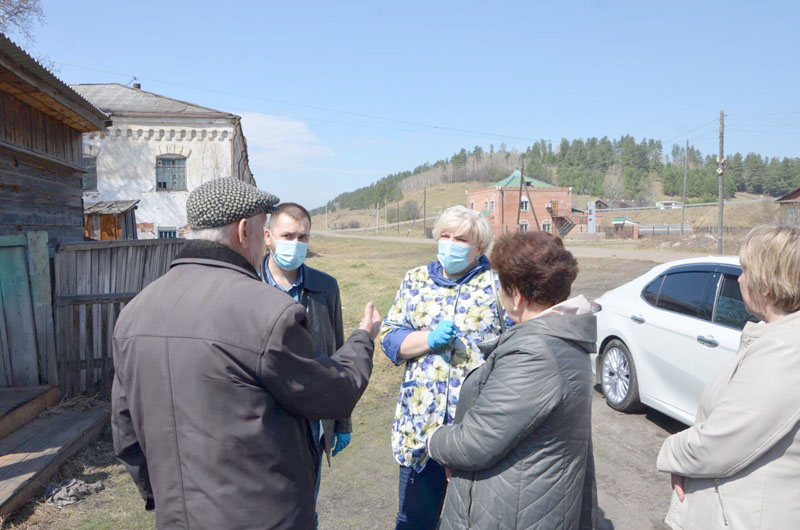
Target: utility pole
{"points": [[519, 202], [721, 173], [326, 217], [425, 212], [685, 169]]}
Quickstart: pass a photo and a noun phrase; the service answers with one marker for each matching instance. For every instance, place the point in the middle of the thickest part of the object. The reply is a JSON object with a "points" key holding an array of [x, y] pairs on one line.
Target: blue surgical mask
{"points": [[290, 255], [453, 256]]}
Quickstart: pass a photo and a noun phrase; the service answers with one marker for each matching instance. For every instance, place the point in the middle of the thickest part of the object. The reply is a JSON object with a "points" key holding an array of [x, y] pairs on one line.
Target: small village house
{"points": [[790, 207], [41, 125], [157, 151], [542, 205]]}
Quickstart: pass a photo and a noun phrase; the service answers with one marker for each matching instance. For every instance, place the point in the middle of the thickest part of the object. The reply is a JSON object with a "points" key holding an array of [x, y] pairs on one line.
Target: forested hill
{"points": [[613, 169]]}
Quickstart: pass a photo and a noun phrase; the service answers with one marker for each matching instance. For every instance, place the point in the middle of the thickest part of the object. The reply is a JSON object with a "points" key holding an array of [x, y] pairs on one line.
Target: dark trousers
{"points": [[421, 497]]}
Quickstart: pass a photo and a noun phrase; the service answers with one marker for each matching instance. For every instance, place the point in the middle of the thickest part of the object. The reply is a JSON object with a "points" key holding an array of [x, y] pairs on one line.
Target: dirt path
{"points": [[578, 249]]}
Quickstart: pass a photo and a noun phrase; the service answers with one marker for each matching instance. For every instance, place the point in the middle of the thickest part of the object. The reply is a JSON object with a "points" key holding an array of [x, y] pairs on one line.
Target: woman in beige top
{"points": [[739, 465]]}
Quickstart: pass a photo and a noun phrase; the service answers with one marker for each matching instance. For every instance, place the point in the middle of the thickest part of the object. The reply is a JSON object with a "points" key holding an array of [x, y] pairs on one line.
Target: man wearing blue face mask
{"points": [[286, 237]]}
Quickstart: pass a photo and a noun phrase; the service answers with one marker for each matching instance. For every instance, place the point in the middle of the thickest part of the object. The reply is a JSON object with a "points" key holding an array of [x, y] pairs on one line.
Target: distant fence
{"points": [[664, 230], [688, 205], [93, 282]]}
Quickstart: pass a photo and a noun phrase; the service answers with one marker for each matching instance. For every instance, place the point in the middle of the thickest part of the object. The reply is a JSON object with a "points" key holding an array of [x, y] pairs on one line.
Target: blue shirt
{"points": [[296, 290]]}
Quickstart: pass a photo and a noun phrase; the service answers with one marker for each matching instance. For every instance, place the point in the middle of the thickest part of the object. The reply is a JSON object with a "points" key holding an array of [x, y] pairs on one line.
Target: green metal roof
{"points": [[513, 180]]}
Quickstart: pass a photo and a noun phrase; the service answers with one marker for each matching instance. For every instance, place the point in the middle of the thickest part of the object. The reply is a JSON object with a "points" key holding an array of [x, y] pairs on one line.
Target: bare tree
{"points": [[614, 185], [21, 16]]}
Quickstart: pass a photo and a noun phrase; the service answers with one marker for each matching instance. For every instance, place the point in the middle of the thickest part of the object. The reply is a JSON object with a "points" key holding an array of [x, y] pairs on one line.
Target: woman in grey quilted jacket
{"points": [[520, 449]]}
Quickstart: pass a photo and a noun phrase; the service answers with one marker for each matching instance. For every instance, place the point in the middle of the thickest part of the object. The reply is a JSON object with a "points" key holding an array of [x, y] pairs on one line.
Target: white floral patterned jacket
{"points": [[432, 382]]}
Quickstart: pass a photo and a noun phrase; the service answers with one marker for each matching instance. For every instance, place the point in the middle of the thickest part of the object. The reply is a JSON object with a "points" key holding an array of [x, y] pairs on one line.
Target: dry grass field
{"points": [[359, 491]]}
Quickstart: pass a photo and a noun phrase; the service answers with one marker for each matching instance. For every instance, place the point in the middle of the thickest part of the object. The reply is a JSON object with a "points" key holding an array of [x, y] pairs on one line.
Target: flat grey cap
{"points": [[223, 201]]}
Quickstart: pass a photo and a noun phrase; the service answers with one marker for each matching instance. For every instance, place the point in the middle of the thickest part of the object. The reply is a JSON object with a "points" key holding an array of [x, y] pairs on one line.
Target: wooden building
{"points": [[110, 220], [41, 125], [539, 205], [790, 207]]}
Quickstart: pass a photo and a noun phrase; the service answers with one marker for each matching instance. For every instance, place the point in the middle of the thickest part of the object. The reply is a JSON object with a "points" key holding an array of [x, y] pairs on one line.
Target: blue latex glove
{"points": [[340, 441], [445, 332]]}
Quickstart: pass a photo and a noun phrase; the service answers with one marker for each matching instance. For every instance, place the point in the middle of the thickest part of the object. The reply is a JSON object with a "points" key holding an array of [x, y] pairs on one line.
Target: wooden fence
{"points": [[93, 282]]}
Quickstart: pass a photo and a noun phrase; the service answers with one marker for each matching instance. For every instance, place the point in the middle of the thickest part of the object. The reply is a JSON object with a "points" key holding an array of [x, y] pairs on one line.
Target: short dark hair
{"points": [[537, 265], [292, 209]]}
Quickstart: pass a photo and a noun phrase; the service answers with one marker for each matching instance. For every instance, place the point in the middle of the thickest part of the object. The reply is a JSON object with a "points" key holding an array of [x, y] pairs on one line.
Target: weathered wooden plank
{"points": [[19, 405], [39, 271], [88, 299], [15, 292], [13, 241], [34, 453], [74, 386], [88, 352], [5, 354], [121, 244]]}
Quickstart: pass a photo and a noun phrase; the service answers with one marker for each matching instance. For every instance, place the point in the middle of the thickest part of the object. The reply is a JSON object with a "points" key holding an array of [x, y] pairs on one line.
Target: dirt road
{"points": [[578, 249]]}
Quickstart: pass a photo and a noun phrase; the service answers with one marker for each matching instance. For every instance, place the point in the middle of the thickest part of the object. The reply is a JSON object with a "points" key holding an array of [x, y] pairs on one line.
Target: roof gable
{"points": [[513, 181], [22, 77], [118, 99]]}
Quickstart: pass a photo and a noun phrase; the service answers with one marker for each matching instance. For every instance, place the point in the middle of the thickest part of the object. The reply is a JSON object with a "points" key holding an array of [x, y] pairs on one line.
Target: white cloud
{"points": [[280, 143]]}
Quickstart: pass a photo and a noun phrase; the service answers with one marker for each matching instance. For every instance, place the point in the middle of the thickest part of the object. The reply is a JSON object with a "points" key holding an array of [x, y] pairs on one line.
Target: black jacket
{"points": [[320, 296], [216, 374]]}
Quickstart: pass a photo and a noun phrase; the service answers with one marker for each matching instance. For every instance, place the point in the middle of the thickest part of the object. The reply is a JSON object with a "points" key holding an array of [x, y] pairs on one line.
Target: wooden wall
{"points": [[94, 281], [26, 127]]}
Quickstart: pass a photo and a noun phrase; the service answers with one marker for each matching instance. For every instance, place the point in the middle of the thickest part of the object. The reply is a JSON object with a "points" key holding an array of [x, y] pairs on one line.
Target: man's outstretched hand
{"points": [[371, 323]]}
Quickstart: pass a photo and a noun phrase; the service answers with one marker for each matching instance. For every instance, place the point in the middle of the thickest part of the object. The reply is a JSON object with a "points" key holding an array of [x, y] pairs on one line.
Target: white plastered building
{"points": [[157, 151]]}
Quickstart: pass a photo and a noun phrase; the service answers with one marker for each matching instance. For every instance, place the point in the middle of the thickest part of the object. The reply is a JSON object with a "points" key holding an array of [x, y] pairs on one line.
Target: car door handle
{"points": [[706, 341], [637, 319]]}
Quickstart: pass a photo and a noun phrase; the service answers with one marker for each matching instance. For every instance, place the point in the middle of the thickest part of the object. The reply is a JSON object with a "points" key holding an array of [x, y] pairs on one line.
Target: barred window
{"points": [[169, 233], [170, 173], [90, 177]]}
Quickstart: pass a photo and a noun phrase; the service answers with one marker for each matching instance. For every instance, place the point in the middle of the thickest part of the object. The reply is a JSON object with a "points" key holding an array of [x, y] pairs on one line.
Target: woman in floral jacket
{"points": [[440, 315]]}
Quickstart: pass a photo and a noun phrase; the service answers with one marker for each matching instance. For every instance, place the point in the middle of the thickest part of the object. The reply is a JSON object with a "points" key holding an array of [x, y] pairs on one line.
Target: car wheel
{"points": [[618, 377]]}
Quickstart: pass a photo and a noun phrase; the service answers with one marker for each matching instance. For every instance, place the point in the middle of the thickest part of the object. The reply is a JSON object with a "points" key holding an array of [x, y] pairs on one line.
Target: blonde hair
{"points": [[770, 257], [463, 220]]}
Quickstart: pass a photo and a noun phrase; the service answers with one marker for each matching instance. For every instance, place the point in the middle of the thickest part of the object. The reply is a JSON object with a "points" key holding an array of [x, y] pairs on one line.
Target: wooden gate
{"points": [[27, 347], [94, 281]]}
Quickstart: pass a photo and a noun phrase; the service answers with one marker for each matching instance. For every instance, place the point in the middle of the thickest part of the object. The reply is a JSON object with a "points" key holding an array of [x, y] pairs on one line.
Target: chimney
{"points": [[137, 86]]}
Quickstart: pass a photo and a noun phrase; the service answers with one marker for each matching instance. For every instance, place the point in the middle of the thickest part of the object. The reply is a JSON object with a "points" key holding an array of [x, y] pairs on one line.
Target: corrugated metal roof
{"points": [[29, 81], [115, 98], [108, 207], [513, 180]]}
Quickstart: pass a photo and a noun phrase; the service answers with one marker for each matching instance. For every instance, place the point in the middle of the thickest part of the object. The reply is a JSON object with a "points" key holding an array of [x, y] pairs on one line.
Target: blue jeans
{"points": [[421, 496]]}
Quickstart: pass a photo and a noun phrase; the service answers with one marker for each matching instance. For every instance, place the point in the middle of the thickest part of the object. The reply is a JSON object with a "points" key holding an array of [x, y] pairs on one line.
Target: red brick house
{"points": [[541, 206]]}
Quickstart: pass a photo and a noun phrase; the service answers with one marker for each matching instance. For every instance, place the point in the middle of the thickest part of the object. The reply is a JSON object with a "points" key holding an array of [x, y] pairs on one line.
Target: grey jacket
{"points": [[320, 296], [742, 456], [520, 448], [216, 374]]}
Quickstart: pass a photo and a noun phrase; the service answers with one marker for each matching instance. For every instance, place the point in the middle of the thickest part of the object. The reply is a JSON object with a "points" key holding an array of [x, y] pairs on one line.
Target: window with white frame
{"points": [[547, 227], [89, 181], [486, 204], [523, 226], [471, 205], [170, 172], [491, 206], [524, 205], [167, 233]]}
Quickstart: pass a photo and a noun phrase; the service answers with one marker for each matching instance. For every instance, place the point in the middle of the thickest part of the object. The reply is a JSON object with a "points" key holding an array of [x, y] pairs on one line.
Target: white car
{"points": [[664, 335]]}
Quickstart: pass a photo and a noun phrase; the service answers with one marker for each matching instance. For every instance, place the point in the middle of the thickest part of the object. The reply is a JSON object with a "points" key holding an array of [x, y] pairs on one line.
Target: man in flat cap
{"points": [[216, 375]]}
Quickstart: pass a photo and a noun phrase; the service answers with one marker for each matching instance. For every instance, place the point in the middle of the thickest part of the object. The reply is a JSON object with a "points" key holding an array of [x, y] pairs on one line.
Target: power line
{"points": [[303, 105], [691, 131]]}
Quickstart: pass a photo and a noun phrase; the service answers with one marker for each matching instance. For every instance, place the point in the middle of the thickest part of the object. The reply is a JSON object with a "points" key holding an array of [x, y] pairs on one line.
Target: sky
{"points": [[335, 95]]}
